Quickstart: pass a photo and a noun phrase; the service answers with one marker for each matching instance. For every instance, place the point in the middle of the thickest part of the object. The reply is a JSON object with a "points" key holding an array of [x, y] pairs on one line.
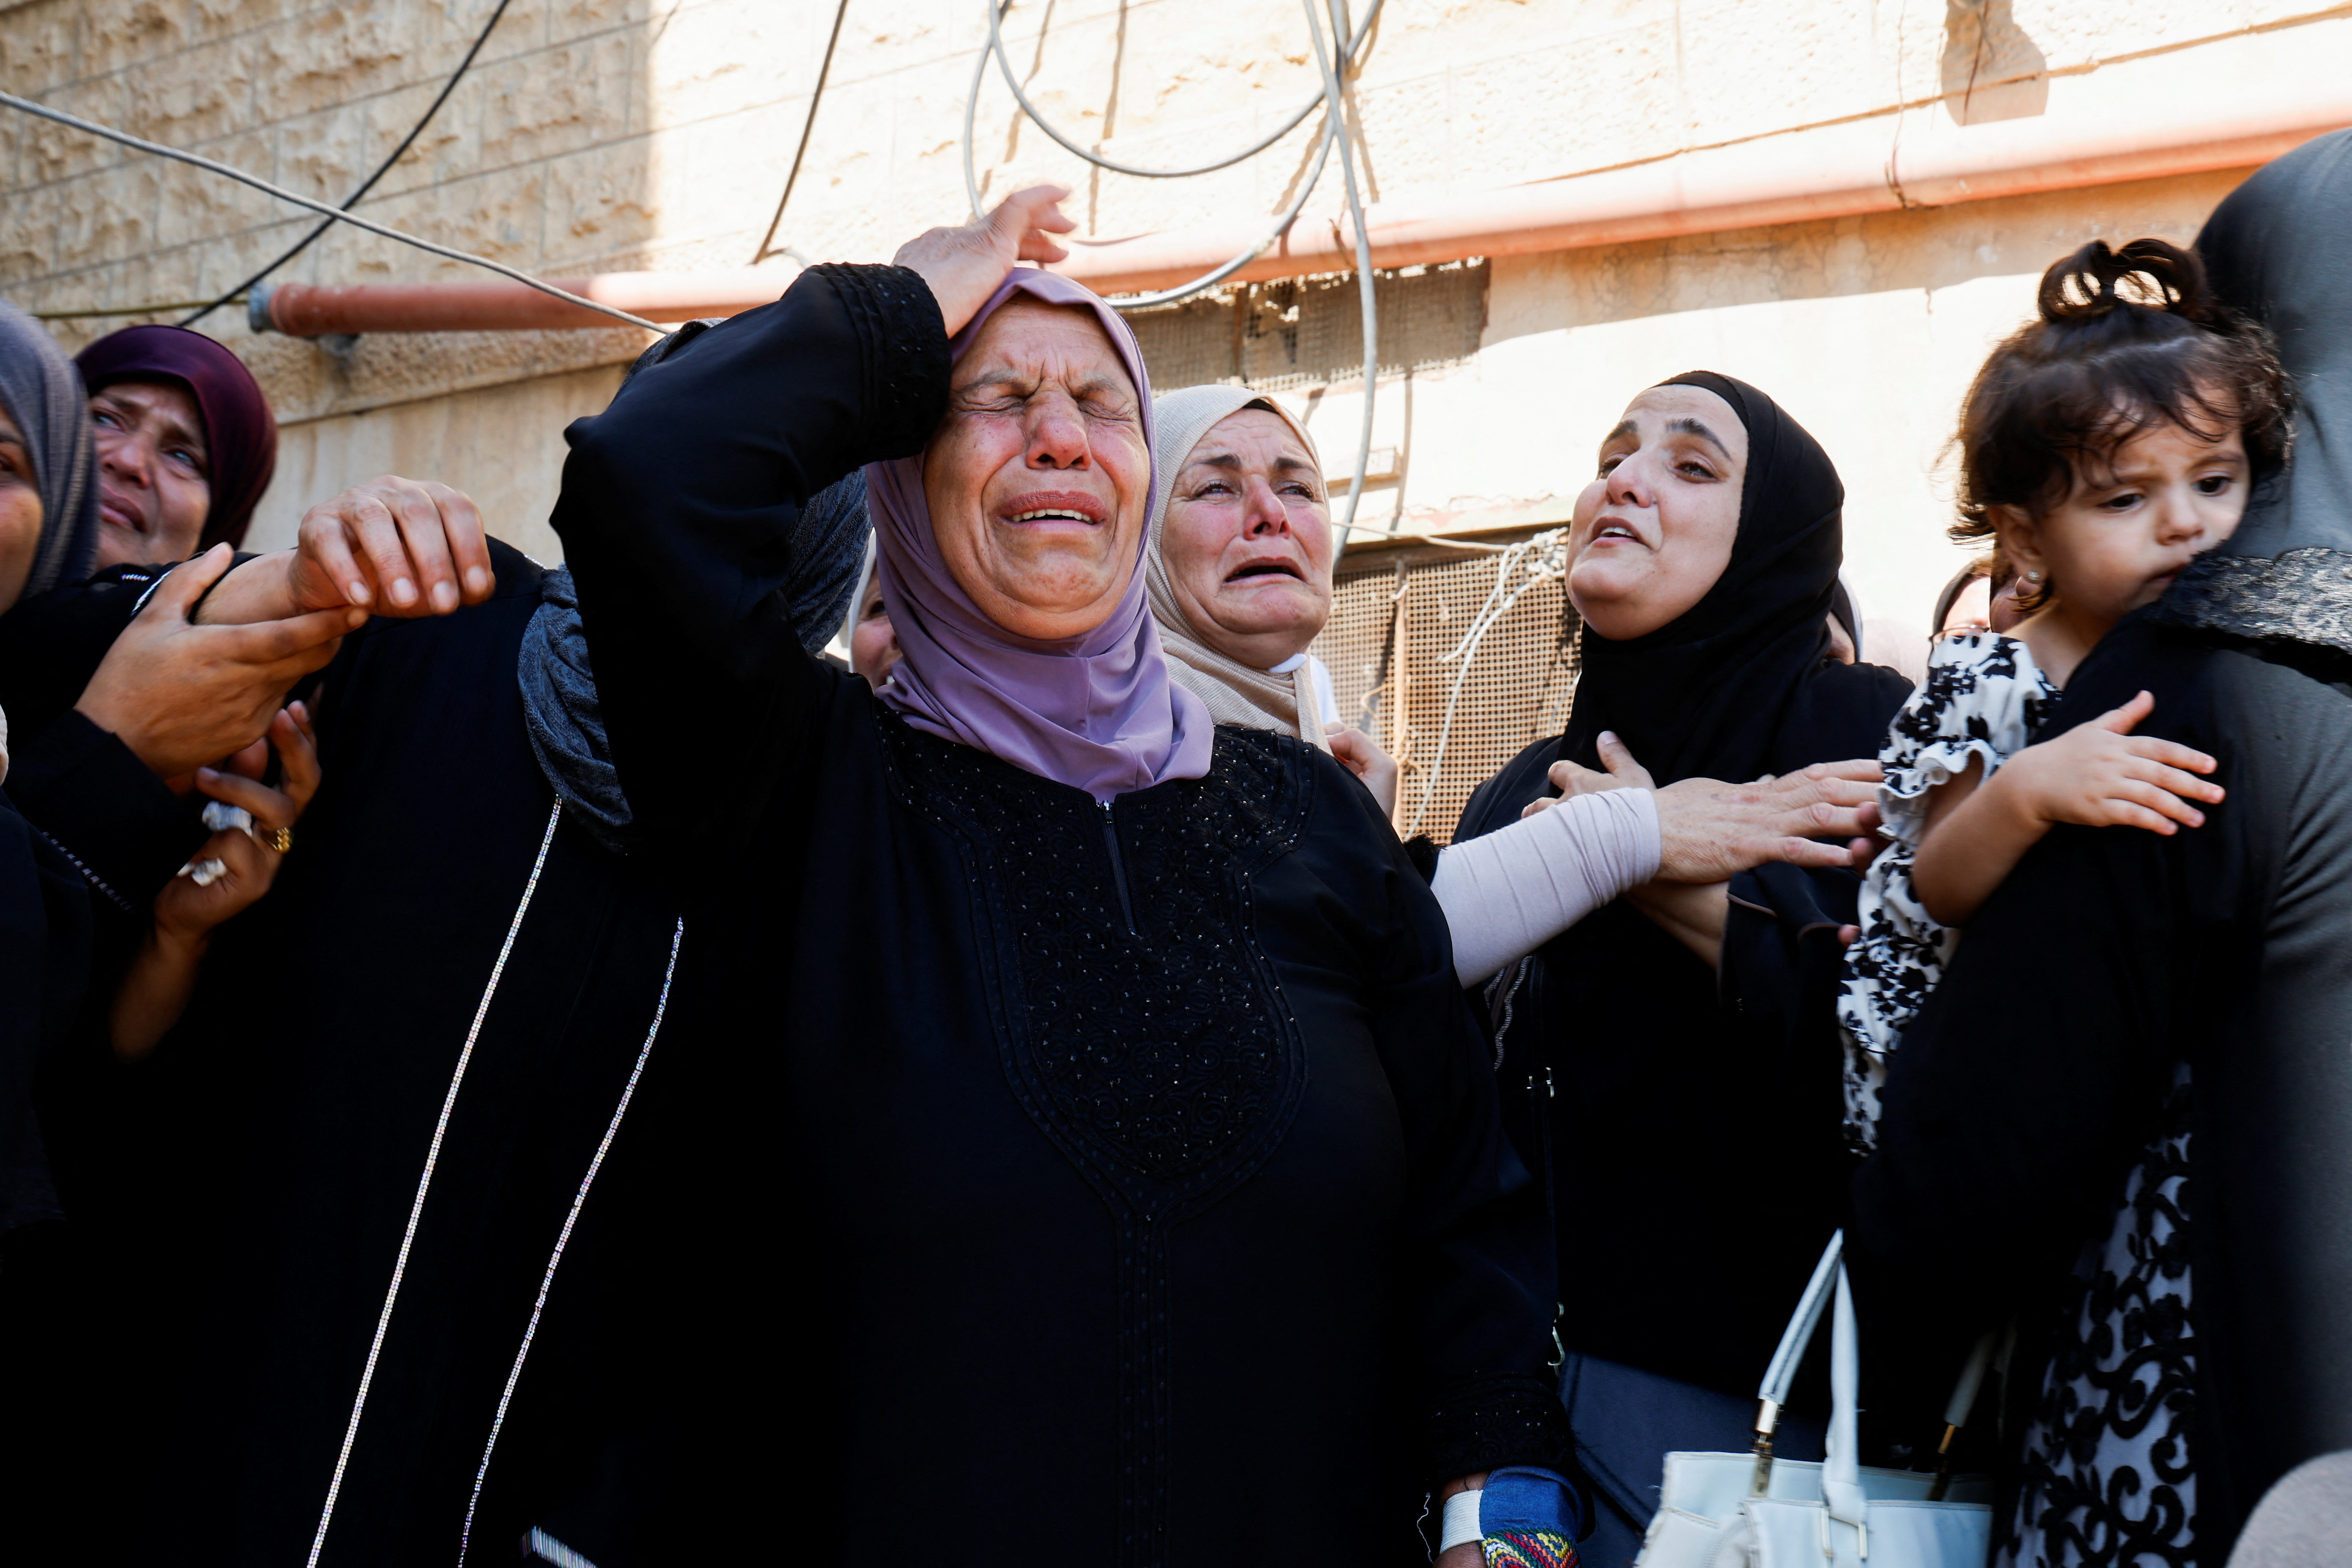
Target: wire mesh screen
{"points": [[1309, 331], [1395, 644]]}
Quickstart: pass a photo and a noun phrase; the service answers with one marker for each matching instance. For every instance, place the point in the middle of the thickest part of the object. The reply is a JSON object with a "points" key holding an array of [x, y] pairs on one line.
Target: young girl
{"points": [[2102, 447]]}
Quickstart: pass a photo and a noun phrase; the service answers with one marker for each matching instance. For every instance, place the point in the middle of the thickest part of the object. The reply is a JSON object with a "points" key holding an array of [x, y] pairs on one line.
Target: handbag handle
{"points": [[1781, 1372], [1841, 1472]]}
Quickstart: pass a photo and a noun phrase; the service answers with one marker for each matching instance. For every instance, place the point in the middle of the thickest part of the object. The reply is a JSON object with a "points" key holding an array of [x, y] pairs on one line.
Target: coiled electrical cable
{"points": [[1335, 55]]}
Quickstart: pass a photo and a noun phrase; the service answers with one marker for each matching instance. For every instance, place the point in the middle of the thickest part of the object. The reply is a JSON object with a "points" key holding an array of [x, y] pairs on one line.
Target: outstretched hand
{"points": [[1711, 831], [179, 694], [964, 265]]}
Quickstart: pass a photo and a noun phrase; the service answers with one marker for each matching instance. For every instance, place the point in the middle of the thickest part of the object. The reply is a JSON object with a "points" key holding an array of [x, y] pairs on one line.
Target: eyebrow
{"points": [[1688, 426], [1232, 460], [1682, 425], [1001, 373], [176, 431]]}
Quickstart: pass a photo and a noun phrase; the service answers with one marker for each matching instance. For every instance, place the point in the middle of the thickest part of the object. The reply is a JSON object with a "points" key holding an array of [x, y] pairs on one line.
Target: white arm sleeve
{"points": [[1511, 891]]}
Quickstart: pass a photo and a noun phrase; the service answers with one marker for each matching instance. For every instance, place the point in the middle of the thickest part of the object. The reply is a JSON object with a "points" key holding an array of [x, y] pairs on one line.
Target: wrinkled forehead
{"points": [[1033, 339], [170, 399], [1260, 438], [1658, 413]]}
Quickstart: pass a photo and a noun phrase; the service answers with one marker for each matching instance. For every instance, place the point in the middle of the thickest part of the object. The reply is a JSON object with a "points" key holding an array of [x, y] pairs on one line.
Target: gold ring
{"points": [[279, 839]]}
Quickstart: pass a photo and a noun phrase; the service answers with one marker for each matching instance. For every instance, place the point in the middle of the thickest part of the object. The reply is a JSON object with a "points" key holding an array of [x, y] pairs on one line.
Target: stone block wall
{"points": [[609, 134]]}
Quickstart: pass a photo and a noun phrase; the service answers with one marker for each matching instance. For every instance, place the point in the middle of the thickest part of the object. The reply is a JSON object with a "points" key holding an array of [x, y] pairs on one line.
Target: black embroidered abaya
{"points": [[2152, 1037], [1689, 1121], [1084, 1185]]}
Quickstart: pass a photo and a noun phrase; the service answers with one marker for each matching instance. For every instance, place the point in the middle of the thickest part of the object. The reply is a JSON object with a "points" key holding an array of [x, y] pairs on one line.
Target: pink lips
{"points": [[1069, 504]]}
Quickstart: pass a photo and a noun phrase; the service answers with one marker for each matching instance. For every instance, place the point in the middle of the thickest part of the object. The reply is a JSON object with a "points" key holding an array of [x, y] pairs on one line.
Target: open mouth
{"points": [[1260, 569], [1051, 507], [1615, 530]]}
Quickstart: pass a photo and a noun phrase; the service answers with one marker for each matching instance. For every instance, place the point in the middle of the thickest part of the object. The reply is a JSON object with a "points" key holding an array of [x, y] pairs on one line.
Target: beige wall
{"points": [[628, 134]]}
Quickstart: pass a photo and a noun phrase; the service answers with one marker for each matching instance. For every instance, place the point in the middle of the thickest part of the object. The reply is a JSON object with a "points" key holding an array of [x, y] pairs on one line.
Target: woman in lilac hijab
{"points": [[1093, 1078]]}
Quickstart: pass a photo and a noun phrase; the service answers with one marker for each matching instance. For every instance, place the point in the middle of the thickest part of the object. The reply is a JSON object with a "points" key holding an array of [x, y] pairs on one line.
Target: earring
{"points": [[2033, 577]]}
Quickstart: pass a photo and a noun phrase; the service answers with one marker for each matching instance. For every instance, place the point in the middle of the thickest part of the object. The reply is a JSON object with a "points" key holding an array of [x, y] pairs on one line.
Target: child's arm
{"points": [[2098, 774]]}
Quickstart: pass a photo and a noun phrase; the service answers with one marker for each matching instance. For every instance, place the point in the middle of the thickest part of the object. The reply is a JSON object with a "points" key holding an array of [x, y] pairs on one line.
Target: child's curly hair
{"points": [[2127, 338]]}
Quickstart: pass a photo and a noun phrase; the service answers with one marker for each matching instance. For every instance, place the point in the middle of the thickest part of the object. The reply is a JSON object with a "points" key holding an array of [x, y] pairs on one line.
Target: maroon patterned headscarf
{"points": [[240, 432]]}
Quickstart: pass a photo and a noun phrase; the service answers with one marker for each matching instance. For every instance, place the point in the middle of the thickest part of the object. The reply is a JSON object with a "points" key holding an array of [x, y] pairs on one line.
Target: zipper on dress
{"points": [[1117, 866]]}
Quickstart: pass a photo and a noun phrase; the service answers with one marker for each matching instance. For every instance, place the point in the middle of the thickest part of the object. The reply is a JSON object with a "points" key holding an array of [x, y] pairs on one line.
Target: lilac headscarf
{"points": [[1096, 712]]}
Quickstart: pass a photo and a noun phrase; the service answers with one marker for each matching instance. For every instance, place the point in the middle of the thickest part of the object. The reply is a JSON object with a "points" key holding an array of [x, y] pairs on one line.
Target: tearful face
{"points": [[1039, 478], [1655, 530], [1248, 540]]}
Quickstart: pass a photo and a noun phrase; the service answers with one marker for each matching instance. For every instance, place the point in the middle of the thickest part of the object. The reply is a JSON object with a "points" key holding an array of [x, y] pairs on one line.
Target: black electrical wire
{"points": [[369, 183], [807, 125]]}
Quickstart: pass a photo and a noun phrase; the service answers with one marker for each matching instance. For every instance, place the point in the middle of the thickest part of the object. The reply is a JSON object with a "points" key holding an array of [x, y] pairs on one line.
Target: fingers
{"points": [[1863, 770], [186, 584], [298, 752], [372, 522], [248, 762], [1807, 853], [417, 513], [1535, 806], [1620, 761], [1027, 219], [270, 808], [2170, 753], [1796, 790], [469, 541], [327, 543], [2186, 786], [277, 642], [1347, 746], [2123, 719]]}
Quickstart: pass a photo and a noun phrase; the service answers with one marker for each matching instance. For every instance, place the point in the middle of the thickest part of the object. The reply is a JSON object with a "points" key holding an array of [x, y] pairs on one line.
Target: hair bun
{"points": [[2145, 275]]}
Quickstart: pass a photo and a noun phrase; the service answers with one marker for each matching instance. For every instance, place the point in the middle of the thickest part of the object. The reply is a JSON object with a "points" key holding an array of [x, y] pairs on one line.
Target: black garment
{"points": [[242, 1198], [2043, 1067], [1661, 1095], [2037, 1074], [1132, 1163], [44, 954], [77, 784]]}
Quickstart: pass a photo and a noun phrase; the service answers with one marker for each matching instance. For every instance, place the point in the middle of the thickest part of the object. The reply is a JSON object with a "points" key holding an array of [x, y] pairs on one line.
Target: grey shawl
{"points": [[43, 395], [559, 686], [2276, 248]]}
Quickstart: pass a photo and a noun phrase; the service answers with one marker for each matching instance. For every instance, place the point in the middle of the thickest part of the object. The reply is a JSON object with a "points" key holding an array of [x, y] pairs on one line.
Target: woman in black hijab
{"points": [[1660, 1094], [2187, 1005]]}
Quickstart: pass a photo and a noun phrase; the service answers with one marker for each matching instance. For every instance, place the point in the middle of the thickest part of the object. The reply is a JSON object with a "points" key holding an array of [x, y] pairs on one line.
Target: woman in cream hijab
{"points": [[1239, 573]]}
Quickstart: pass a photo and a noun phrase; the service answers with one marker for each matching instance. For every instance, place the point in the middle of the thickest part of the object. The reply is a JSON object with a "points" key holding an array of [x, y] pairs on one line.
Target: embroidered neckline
{"points": [[2301, 596]]}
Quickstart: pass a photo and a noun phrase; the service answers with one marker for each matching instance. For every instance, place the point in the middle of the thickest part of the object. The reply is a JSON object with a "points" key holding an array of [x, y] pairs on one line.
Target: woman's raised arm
{"points": [[679, 511]]}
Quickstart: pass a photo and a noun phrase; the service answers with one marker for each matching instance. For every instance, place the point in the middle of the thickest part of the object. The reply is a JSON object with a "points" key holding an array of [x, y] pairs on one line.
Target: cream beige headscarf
{"points": [[1235, 693]]}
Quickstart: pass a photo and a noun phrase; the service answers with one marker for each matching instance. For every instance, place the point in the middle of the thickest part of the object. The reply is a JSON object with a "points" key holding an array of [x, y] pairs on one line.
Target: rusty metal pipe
{"points": [[2231, 103]]}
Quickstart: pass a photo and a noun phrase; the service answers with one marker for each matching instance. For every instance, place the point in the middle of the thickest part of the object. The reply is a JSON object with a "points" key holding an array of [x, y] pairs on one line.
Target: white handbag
{"points": [[1750, 1510]]}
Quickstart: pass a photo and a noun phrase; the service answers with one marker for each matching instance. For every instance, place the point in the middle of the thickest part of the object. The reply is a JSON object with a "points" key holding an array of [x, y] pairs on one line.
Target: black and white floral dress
{"points": [[2104, 1473], [1984, 696]]}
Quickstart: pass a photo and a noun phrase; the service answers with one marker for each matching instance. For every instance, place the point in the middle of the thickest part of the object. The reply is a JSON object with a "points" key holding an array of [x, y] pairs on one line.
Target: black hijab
{"points": [[1743, 683], [1637, 1080], [2276, 251]]}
